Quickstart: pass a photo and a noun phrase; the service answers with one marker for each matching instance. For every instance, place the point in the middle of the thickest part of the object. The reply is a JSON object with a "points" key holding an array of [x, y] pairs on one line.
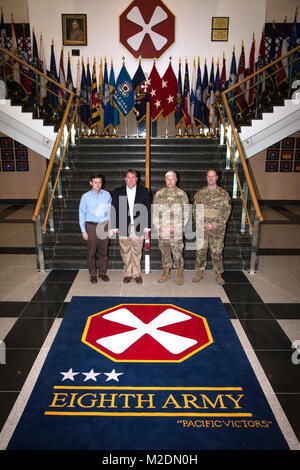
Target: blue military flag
{"points": [[231, 82], [140, 94], [52, 96], [84, 112], [205, 112], [106, 104], [124, 94], [198, 99], [295, 68], [115, 117], [178, 110]]}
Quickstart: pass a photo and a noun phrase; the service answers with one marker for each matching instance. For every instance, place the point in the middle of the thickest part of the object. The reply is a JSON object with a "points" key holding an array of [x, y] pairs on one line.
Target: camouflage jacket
{"points": [[170, 208], [217, 205]]}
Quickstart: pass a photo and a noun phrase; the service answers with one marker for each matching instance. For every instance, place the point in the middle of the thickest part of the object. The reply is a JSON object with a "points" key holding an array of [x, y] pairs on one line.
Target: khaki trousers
{"points": [[131, 252]]}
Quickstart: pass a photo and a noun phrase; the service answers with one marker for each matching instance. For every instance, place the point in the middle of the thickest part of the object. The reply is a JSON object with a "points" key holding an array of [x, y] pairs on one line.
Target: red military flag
{"points": [[155, 93], [169, 92]]}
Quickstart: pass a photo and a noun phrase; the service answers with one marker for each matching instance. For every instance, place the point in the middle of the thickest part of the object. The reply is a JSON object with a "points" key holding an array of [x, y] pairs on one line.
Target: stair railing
{"points": [[68, 103], [231, 118]]}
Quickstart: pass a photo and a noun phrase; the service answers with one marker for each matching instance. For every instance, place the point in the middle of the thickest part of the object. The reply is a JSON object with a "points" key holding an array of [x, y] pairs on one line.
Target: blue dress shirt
{"points": [[94, 207]]}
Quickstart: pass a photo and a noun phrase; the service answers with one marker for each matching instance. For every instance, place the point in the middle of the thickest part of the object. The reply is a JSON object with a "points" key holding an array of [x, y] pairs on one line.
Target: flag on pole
{"points": [[84, 112], [77, 89], [169, 91], [193, 92], [295, 68], [62, 78], [198, 99], [251, 92], [53, 98], [115, 118], [186, 99], [15, 50], [282, 65], [270, 81], [178, 109], [155, 93], [42, 67], [261, 62], [35, 64], [25, 81], [140, 93], [240, 100], [100, 95], [3, 42], [232, 82], [124, 95], [210, 102], [223, 82], [205, 117], [69, 83], [106, 100], [95, 115]]}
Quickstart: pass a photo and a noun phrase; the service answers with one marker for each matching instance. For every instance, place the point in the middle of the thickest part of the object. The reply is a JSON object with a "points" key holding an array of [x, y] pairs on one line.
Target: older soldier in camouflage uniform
{"points": [[170, 214], [217, 208]]}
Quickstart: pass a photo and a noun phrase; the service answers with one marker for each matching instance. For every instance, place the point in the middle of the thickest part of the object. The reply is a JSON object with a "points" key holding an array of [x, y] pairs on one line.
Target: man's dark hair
{"points": [[96, 175], [133, 172]]}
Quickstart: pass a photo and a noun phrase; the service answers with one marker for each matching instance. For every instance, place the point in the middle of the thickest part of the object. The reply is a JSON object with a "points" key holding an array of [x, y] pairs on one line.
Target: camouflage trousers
{"points": [[214, 240], [171, 252]]}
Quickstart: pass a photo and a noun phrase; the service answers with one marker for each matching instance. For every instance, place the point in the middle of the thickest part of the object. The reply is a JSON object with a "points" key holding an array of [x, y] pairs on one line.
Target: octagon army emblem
{"points": [[147, 333]]}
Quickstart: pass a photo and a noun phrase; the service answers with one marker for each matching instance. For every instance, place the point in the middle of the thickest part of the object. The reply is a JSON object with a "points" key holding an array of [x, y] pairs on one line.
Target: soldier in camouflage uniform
{"points": [[170, 214], [217, 208]]}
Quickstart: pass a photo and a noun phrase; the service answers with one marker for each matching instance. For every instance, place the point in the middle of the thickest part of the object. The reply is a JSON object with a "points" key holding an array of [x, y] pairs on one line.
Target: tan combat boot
{"points": [[179, 276], [220, 279], [198, 276], [165, 275]]}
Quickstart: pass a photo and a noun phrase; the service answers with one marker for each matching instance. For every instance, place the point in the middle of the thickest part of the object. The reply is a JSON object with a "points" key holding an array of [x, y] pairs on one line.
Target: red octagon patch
{"points": [[147, 333], [147, 29]]}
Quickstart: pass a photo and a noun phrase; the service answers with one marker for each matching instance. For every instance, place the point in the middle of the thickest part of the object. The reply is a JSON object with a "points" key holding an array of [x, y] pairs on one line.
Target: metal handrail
{"points": [[259, 71], [60, 167], [235, 170], [51, 161]]}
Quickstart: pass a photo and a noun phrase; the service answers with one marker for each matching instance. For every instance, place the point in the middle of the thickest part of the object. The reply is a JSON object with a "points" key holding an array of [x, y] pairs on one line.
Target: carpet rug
{"points": [[144, 374]]}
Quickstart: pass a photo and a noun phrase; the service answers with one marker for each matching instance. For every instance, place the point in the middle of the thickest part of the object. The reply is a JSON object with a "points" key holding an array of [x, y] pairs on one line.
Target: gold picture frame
{"points": [[74, 29], [219, 28]]}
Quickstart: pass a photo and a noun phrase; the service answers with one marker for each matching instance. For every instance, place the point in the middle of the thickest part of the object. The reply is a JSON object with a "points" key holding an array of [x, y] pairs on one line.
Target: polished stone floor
{"points": [[264, 309]]}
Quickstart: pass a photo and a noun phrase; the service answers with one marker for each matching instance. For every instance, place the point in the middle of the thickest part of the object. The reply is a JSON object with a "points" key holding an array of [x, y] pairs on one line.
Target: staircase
{"points": [[64, 248]]}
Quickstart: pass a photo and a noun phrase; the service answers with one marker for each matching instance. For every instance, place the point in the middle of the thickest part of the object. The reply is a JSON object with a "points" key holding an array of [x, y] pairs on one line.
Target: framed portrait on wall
{"points": [[74, 29]]}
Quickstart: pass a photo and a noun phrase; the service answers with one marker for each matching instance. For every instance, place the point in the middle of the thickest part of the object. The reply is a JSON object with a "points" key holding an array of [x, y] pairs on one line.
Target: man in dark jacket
{"points": [[131, 218]]}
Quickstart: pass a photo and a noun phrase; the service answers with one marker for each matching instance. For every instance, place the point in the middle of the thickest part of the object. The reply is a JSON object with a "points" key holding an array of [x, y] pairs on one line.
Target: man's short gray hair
{"points": [[171, 173]]}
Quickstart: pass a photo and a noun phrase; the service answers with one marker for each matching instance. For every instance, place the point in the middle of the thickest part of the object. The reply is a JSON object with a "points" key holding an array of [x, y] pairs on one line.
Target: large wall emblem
{"points": [[147, 333], [147, 28]]}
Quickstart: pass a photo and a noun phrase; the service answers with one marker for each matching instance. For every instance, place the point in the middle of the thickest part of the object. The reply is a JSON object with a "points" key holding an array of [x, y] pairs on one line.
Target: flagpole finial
{"points": [[123, 60]]}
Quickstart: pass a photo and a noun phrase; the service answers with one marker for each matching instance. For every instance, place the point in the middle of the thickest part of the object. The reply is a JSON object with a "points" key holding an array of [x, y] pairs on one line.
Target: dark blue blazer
{"points": [[120, 217]]}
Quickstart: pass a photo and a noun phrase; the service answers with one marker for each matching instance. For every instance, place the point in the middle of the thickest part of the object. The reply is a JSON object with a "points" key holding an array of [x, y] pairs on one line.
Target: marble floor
{"points": [[264, 309]]}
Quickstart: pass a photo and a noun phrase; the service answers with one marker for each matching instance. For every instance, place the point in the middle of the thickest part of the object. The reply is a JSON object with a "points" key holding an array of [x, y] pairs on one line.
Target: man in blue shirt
{"points": [[94, 213]]}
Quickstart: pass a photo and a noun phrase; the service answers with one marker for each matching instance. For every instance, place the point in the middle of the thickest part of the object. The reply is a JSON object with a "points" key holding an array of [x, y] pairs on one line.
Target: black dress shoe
{"points": [[93, 279], [104, 277]]}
